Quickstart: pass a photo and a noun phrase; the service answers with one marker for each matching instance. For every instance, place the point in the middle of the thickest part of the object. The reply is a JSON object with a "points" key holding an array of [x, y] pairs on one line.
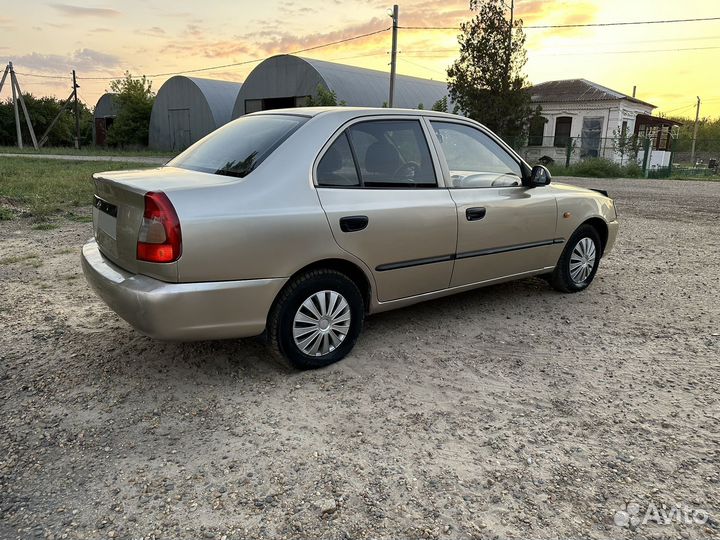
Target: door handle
{"points": [[474, 214], [353, 223]]}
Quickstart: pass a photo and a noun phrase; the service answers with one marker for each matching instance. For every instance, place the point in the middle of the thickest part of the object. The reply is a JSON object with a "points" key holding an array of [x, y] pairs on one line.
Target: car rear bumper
{"points": [[181, 311], [613, 227]]}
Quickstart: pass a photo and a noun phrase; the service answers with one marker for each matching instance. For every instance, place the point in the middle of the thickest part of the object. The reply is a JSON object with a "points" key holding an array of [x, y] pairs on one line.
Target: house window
{"points": [[591, 136], [537, 130], [562, 131]]}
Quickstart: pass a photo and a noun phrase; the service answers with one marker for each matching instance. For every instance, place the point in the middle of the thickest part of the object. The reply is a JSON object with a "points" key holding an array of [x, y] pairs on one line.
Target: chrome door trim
{"points": [[437, 166]]}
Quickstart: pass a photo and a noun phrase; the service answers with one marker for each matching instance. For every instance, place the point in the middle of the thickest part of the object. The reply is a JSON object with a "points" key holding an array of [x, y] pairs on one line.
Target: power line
{"points": [[630, 51], [436, 71], [583, 53], [631, 42], [235, 64], [585, 25], [64, 77], [679, 108]]}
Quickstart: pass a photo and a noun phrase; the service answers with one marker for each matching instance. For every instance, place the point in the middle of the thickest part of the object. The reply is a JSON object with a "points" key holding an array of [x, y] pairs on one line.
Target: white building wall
{"points": [[613, 113]]}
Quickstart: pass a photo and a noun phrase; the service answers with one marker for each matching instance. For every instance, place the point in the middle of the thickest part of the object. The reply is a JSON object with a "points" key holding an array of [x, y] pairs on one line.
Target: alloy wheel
{"points": [[582, 260], [321, 323]]}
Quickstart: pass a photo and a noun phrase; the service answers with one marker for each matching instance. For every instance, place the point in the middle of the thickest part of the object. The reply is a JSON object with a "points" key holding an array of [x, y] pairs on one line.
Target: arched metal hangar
{"points": [[188, 108], [287, 81], [104, 115]]}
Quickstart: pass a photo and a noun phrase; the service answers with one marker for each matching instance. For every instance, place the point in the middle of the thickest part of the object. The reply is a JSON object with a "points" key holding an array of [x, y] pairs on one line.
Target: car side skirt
{"points": [[379, 307]]}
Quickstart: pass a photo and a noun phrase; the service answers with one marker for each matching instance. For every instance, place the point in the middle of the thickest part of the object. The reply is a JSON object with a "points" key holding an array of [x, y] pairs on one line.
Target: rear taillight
{"points": [[159, 239]]}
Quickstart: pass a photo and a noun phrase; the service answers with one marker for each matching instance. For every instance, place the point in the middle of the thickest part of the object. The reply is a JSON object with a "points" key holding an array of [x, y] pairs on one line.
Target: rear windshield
{"points": [[238, 147]]}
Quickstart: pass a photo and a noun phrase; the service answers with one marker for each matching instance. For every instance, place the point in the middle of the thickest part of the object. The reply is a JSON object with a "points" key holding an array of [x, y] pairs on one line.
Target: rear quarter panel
{"points": [[267, 225]]}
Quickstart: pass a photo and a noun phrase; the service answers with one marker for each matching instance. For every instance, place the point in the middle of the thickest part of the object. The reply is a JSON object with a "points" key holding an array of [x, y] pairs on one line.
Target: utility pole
{"points": [[695, 130], [15, 105], [77, 113], [508, 63], [393, 54], [634, 90]]}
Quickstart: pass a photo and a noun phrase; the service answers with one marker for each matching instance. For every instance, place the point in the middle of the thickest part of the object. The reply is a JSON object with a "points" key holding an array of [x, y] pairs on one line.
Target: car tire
{"points": [[579, 261], [323, 303]]}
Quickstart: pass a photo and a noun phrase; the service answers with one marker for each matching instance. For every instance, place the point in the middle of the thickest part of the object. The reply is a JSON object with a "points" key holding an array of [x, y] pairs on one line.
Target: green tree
{"points": [[482, 83], [42, 111], [624, 145], [324, 98], [441, 105], [135, 100]]}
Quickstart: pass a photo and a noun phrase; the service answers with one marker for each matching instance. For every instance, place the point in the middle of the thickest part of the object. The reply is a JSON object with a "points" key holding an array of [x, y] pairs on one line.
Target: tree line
{"points": [[133, 96]]}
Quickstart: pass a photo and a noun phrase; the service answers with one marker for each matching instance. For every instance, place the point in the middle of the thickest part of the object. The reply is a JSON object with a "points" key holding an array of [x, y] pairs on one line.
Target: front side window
{"points": [[392, 154], [238, 147], [475, 160]]}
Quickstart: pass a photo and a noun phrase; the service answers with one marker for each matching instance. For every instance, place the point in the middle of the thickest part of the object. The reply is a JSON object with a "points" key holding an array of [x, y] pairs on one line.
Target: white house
{"points": [[584, 119]]}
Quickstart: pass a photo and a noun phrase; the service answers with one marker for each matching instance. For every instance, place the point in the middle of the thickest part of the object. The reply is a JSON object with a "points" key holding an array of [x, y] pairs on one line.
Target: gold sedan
{"points": [[298, 223]]}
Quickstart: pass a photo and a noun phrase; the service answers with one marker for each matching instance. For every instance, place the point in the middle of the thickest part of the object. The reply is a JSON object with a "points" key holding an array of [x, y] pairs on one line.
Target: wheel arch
{"points": [[601, 227], [349, 268]]}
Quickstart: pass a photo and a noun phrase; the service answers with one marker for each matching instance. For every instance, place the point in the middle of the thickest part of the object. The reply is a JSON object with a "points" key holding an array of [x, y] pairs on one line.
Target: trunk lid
{"points": [[119, 205]]}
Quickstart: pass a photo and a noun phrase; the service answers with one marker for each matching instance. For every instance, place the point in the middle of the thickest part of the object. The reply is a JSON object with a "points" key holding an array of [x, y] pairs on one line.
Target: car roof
{"points": [[359, 111]]}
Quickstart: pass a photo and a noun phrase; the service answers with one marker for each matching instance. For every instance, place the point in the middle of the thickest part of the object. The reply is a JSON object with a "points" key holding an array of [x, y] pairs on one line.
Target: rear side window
{"points": [[337, 167], [392, 154], [238, 147]]}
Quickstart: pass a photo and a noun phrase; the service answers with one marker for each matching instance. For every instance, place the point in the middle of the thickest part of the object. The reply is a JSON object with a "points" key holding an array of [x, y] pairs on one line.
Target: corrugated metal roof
{"points": [[293, 76], [576, 90], [220, 97], [106, 106], [369, 87]]}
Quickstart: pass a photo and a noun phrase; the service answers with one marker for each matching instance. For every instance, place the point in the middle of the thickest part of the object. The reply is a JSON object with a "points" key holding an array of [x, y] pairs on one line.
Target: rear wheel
{"points": [[317, 319], [579, 261]]}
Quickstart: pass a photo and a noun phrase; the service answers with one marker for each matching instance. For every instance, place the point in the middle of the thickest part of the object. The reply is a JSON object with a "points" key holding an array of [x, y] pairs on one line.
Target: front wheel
{"points": [[317, 319], [579, 261]]}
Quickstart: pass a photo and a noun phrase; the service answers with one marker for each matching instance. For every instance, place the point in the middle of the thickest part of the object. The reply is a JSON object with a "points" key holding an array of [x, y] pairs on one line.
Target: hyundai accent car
{"points": [[295, 224]]}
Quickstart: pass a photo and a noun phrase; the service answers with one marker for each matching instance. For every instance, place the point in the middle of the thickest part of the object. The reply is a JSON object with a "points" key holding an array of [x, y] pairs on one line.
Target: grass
{"points": [[46, 187], [603, 168], [598, 168], [87, 151]]}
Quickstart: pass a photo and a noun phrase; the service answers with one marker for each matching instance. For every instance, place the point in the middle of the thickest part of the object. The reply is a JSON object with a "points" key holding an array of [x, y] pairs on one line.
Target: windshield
{"points": [[238, 147]]}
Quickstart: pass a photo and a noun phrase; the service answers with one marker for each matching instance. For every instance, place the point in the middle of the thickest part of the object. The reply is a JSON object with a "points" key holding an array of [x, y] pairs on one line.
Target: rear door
{"points": [[378, 185], [504, 228]]}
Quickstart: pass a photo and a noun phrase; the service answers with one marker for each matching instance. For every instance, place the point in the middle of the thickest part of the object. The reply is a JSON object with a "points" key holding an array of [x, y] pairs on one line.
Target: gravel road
{"points": [[511, 411]]}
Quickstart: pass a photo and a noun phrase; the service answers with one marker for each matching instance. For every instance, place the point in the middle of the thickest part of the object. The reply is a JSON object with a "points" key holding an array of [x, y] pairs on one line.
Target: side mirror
{"points": [[539, 176]]}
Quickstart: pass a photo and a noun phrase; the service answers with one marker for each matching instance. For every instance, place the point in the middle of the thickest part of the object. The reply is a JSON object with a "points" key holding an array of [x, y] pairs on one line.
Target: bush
{"points": [[599, 168], [135, 100]]}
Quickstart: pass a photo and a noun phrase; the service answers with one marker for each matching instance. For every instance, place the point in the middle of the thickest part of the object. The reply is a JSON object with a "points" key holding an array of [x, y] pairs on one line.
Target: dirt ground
{"points": [[511, 411]]}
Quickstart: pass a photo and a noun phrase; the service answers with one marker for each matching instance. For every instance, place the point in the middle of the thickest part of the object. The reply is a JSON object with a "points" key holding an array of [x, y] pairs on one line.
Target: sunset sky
{"points": [[103, 38]]}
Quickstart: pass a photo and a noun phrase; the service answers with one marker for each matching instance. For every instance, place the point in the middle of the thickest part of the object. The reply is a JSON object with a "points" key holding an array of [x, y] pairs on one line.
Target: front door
{"points": [[504, 228], [378, 186]]}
